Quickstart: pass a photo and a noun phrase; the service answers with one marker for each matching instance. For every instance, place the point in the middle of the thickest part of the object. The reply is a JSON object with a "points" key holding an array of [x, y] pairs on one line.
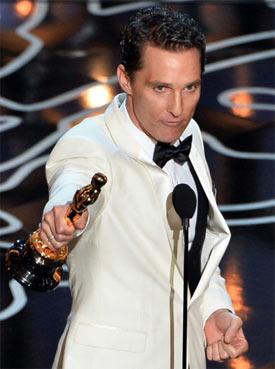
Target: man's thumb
{"points": [[235, 325], [81, 221]]}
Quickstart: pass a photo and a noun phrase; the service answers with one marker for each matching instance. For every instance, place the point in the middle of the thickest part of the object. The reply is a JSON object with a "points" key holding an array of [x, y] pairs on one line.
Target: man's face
{"points": [[163, 95]]}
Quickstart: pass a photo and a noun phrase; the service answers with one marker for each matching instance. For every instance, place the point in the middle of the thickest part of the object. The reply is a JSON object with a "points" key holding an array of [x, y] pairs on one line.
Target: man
{"points": [[126, 272]]}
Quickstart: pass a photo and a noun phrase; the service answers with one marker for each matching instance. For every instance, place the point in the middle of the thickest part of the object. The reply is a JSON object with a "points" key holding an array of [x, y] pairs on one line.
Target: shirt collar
{"points": [[146, 143]]}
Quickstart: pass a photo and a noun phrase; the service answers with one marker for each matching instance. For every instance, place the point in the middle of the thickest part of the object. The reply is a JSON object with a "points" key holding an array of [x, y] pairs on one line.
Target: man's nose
{"points": [[175, 105]]}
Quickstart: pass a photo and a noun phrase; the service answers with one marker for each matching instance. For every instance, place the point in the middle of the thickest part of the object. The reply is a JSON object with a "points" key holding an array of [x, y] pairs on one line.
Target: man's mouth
{"points": [[173, 122]]}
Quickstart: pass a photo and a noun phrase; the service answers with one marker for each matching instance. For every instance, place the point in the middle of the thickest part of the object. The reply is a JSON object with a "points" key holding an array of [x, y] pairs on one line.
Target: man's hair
{"points": [[162, 27]]}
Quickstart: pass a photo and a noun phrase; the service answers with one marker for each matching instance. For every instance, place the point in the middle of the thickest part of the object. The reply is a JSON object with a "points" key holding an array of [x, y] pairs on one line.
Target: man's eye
{"points": [[191, 88], [159, 88]]}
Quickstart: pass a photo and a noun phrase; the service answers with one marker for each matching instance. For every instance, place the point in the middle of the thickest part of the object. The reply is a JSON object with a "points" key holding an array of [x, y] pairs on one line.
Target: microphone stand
{"points": [[185, 225], [184, 201]]}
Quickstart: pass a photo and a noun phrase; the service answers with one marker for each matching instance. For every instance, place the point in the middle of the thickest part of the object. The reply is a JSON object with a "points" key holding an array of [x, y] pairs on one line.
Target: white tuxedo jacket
{"points": [[125, 277]]}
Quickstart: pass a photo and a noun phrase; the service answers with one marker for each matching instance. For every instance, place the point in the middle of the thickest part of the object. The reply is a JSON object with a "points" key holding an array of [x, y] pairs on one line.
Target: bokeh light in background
{"points": [[24, 8], [96, 96], [235, 287], [241, 104], [241, 363]]}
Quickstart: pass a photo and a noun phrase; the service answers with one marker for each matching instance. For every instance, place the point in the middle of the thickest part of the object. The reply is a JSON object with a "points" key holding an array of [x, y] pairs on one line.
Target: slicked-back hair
{"points": [[162, 27]]}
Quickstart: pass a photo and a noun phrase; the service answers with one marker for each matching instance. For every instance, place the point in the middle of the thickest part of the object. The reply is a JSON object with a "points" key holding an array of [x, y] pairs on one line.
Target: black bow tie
{"points": [[165, 152]]}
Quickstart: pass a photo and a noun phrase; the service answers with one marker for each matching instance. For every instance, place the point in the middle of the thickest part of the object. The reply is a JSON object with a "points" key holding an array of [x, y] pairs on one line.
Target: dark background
{"points": [[54, 57]]}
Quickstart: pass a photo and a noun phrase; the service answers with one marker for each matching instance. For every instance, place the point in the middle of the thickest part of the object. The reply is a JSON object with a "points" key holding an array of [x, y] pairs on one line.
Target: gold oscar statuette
{"points": [[37, 266]]}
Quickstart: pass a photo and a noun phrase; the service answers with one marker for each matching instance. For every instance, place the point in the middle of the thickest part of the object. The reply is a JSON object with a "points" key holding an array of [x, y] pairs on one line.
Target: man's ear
{"points": [[124, 79]]}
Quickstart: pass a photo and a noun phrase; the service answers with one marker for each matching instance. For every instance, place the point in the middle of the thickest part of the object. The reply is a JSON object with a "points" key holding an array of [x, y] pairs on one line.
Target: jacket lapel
{"points": [[119, 132], [118, 129], [161, 185]]}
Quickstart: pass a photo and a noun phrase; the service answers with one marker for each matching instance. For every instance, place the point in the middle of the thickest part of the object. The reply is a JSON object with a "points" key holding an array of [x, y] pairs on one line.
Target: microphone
{"points": [[184, 201]]}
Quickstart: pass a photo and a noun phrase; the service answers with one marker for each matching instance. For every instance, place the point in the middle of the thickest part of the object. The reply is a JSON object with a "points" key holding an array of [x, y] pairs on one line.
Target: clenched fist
{"points": [[56, 229]]}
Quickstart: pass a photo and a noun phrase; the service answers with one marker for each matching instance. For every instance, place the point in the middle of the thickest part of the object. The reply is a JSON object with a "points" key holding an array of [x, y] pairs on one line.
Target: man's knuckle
{"points": [[47, 217], [43, 236], [55, 209], [61, 227], [238, 320], [58, 237]]}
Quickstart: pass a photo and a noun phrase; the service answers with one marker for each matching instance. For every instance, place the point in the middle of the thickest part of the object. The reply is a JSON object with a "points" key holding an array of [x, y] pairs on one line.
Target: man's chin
{"points": [[170, 134], [171, 138]]}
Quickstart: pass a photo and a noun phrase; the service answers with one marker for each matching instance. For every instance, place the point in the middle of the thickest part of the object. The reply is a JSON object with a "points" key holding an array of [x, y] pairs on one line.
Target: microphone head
{"points": [[184, 201]]}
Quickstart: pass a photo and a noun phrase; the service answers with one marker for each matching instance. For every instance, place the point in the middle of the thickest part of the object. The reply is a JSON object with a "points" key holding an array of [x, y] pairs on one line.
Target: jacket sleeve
{"points": [[215, 297], [71, 165]]}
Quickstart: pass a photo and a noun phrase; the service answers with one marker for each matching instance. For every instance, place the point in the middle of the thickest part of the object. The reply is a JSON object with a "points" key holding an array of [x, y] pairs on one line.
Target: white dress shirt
{"points": [[177, 173]]}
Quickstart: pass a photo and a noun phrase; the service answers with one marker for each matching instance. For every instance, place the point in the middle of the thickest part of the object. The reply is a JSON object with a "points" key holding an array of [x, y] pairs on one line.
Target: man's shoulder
{"points": [[89, 128], [88, 138]]}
